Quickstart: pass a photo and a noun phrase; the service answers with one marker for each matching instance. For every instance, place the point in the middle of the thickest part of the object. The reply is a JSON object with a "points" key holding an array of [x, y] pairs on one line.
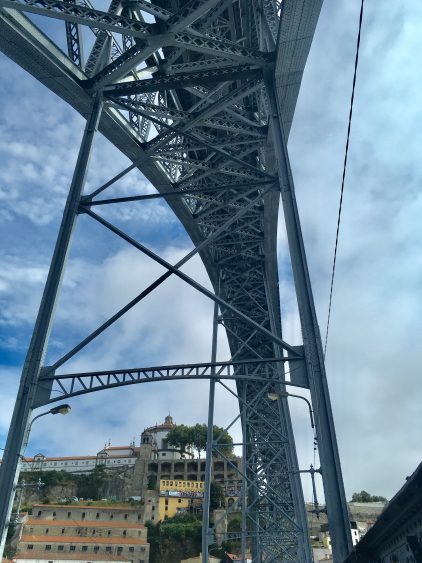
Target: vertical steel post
{"points": [[335, 499], [20, 425], [208, 461], [244, 482]]}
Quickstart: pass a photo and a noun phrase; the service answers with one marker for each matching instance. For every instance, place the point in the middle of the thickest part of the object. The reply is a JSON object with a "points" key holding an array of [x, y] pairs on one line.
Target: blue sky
{"points": [[373, 355]]}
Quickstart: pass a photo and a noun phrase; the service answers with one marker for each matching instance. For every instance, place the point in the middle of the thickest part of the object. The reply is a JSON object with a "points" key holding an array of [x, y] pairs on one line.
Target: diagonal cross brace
{"points": [[171, 270]]}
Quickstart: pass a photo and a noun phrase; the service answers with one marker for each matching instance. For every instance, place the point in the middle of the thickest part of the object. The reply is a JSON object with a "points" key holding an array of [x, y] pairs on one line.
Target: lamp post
{"points": [[274, 394], [60, 409], [8, 495]]}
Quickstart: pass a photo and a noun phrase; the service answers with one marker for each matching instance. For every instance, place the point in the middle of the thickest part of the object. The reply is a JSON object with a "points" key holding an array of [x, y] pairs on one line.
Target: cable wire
{"points": [[344, 174]]}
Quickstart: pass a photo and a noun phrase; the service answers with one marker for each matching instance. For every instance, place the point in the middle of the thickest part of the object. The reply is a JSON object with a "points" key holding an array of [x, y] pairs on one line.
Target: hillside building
{"points": [[145, 466], [83, 533], [177, 497]]}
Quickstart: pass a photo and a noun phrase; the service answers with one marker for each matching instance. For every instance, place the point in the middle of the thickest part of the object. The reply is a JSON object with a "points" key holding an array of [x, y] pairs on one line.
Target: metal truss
{"points": [[72, 384], [199, 95]]}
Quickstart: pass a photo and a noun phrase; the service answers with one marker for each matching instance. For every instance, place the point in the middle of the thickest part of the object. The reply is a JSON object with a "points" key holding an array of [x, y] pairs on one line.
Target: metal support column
{"points": [[208, 462], [335, 498], [20, 425], [244, 481]]}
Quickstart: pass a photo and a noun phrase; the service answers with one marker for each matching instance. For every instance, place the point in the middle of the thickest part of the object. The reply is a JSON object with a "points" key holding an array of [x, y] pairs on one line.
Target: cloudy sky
{"points": [[373, 357]]}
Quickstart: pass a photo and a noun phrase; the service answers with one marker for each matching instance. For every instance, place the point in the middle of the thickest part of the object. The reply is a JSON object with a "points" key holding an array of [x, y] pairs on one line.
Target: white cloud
{"points": [[373, 351]]}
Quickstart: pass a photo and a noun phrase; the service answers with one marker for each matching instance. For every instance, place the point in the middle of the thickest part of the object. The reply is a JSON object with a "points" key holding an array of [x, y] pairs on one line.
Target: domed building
{"points": [[156, 437]]}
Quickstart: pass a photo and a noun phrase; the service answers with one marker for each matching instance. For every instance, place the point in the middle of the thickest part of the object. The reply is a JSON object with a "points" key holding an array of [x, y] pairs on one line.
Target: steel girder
{"points": [[191, 90]]}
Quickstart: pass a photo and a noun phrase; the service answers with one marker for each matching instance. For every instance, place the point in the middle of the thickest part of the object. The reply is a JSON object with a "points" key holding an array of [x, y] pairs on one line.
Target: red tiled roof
{"points": [[118, 448], [80, 539], [81, 523], [82, 556], [87, 507], [43, 460]]}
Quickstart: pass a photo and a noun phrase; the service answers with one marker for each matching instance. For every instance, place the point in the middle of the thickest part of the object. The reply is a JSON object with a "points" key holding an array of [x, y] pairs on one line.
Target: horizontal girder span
{"points": [[73, 384]]}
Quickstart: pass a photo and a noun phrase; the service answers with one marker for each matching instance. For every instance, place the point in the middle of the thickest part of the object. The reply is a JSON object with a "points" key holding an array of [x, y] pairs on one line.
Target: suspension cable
{"points": [[344, 175]]}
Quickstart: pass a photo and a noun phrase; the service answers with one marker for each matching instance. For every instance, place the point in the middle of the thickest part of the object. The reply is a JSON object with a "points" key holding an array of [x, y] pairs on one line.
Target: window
{"points": [[84, 548], [131, 549], [54, 513], [97, 515], [111, 516], [108, 548], [39, 513], [96, 548], [60, 548], [166, 508], [109, 533], [124, 532], [153, 508], [46, 531], [69, 514], [179, 501], [83, 515], [30, 546], [63, 530], [72, 548], [48, 547], [125, 516], [93, 532], [119, 549]]}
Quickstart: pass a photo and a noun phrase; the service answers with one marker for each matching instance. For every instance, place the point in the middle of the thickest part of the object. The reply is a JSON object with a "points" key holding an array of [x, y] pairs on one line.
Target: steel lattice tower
{"points": [[200, 96]]}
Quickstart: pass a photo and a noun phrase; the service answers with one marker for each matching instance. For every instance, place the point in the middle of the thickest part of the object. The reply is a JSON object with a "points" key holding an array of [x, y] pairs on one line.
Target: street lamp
{"points": [[60, 409], [274, 394]]}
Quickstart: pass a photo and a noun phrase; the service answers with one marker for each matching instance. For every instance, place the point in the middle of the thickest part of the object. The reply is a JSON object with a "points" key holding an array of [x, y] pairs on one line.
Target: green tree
{"points": [[199, 437], [180, 436], [224, 440], [89, 486], [364, 496], [217, 498], [184, 437]]}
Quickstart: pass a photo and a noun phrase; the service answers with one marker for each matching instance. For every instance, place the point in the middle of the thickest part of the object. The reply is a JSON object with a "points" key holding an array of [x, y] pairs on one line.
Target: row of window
{"points": [[82, 515], [184, 484], [96, 548], [31, 465], [93, 532]]}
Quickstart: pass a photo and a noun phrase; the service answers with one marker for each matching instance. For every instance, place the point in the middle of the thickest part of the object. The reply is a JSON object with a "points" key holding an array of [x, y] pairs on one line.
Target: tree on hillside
{"points": [[363, 496], [199, 437], [89, 486], [183, 437], [224, 440], [217, 498]]}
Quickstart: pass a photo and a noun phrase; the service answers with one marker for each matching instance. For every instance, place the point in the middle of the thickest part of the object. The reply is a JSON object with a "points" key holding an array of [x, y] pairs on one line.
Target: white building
{"points": [[157, 437]]}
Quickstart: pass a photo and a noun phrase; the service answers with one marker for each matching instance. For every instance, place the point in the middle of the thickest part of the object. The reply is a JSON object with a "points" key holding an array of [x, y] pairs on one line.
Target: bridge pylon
{"points": [[200, 96]]}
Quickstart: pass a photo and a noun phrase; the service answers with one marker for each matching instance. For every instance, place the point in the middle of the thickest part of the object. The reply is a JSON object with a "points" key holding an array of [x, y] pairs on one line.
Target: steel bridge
{"points": [[200, 96]]}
